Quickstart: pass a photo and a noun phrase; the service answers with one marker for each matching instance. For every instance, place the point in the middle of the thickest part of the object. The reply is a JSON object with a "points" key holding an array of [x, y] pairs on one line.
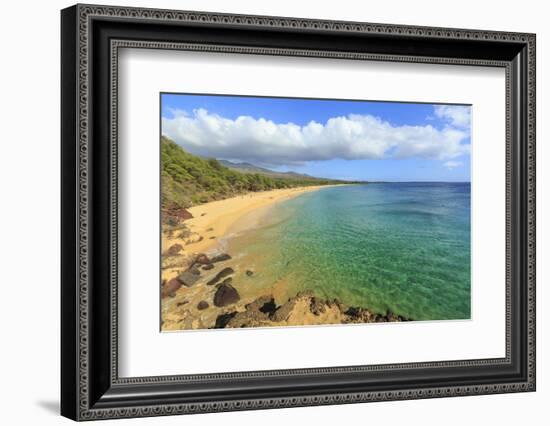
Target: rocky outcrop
{"points": [[264, 304], [283, 312], [175, 214], [248, 319], [317, 306], [303, 309], [217, 295]]}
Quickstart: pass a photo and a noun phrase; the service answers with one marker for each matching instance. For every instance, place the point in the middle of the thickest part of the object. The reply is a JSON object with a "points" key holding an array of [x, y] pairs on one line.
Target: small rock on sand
{"points": [[194, 270], [173, 250], [208, 267], [202, 259], [220, 258], [249, 273], [222, 274], [169, 288], [225, 295], [203, 304], [188, 278]]}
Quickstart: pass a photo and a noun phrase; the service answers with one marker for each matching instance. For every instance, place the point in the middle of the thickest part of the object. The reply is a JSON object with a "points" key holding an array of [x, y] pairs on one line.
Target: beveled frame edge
{"points": [[75, 165]]}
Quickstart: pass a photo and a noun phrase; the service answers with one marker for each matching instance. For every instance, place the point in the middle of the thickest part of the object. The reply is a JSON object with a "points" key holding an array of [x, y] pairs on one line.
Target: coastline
{"points": [[204, 287], [219, 218], [211, 223]]}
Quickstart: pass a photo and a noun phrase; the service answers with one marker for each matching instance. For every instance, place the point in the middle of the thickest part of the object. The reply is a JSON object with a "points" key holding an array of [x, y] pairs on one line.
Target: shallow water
{"points": [[403, 247]]}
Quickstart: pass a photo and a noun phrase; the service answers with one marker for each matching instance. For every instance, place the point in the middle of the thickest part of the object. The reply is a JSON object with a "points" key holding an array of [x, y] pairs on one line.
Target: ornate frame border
{"points": [[84, 16]]}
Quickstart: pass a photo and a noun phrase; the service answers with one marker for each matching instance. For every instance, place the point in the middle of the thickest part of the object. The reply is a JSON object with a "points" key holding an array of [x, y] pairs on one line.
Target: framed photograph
{"points": [[263, 212]]}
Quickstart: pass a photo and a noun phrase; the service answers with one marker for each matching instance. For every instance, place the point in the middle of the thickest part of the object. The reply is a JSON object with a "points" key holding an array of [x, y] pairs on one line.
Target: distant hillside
{"points": [[189, 180], [251, 168]]}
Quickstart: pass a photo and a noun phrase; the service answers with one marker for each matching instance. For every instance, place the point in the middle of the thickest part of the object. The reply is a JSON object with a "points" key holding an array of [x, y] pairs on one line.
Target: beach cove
{"points": [[185, 303], [340, 254]]}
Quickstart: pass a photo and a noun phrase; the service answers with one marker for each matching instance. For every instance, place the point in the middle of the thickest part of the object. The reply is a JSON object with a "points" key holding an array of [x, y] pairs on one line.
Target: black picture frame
{"points": [[90, 386]]}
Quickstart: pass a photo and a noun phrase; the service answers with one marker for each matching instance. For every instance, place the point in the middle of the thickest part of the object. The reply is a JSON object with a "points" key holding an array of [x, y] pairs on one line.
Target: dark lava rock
{"points": [[225, 295], [317, 306], [220, 258], [169, 288], [249, 273], [188, 278], [264, 304], [202, 259], [173, 250], [222, 274], [223, 319], [208, 267], [203, 304], [184, 302]]}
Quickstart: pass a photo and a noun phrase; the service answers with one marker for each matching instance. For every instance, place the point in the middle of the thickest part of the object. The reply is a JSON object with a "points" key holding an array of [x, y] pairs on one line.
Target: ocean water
{"points": [[403, 247]]}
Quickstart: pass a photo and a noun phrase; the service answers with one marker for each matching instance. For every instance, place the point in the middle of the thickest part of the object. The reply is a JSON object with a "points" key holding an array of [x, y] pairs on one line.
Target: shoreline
{"points": [[212, 293], [211, 224], [204, 287], [221, 218]]}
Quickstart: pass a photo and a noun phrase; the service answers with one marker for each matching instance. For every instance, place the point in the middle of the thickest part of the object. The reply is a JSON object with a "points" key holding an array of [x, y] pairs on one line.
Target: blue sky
{"points": [[354, 140]]}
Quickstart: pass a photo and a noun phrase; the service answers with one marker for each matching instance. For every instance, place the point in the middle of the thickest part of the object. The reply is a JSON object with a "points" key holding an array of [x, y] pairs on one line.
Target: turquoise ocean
{"points": [[403, 247]]}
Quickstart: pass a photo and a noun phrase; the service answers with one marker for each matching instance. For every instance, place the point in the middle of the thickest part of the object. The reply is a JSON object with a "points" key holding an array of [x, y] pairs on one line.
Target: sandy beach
{"points": [[214, 221], [219, 218], [206, 286]]}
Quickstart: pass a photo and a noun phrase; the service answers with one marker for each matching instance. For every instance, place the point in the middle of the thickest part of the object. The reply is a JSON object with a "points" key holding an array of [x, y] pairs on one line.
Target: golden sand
{"points": [[217, 219]]}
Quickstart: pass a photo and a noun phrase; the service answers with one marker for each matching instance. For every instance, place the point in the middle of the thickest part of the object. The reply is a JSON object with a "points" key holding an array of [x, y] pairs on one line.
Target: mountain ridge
{"points": [[245, 167]]}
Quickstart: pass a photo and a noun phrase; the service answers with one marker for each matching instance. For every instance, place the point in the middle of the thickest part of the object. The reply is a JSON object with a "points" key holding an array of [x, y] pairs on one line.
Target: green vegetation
{"points": [[188, 180]]}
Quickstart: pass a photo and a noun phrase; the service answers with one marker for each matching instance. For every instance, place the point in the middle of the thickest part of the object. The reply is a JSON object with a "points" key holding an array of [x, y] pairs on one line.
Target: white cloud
{"points": [[458, 116], [346, 137], [452, 164]]}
